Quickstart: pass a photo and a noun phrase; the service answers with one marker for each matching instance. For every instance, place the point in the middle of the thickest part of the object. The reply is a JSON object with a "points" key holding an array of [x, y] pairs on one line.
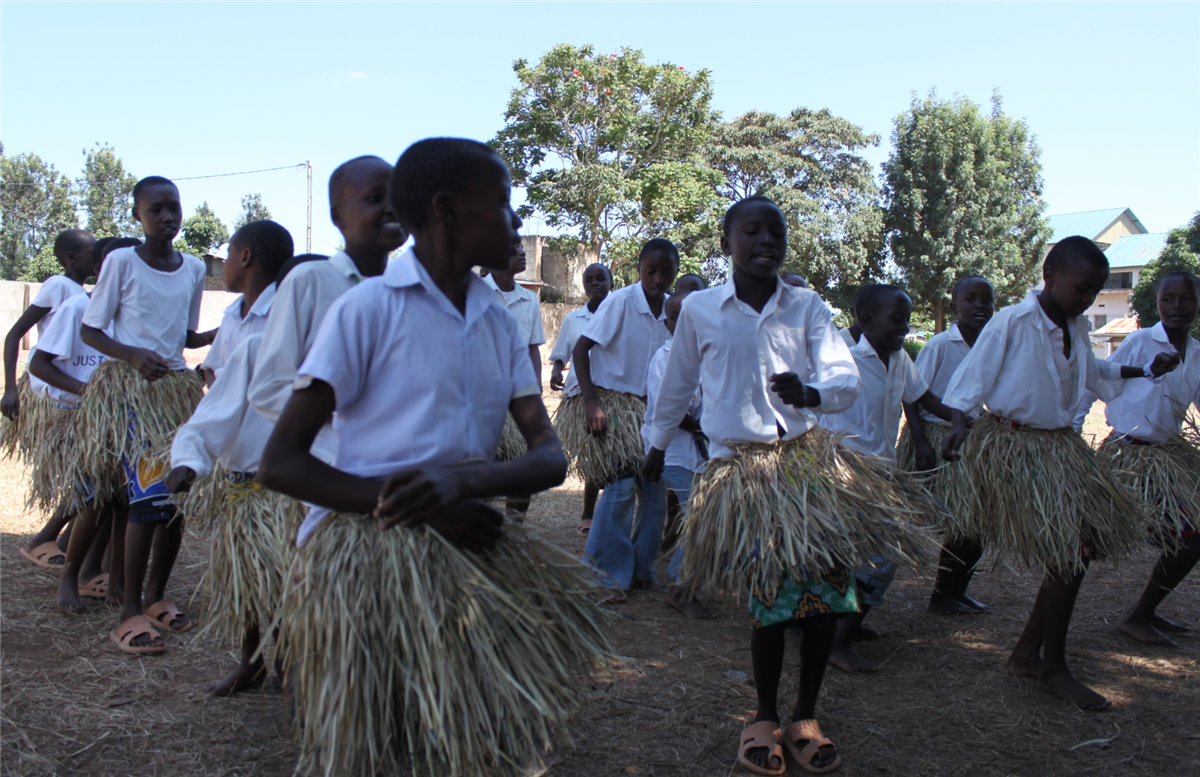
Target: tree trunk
{"points": [[939, 315]]}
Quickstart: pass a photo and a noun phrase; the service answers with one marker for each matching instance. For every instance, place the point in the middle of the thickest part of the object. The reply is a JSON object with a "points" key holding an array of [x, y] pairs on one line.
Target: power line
{"points": [[299, 166]]}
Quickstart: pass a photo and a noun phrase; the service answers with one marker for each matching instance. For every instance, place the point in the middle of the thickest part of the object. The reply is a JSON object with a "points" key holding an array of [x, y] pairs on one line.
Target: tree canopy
{"points": [[202, 232], [35, 205], [105, 194], [1182, 252], [253, 210]]}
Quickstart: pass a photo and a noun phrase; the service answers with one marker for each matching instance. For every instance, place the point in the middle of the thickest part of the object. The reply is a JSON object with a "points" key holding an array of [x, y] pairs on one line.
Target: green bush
{"points": [[913, 347]]}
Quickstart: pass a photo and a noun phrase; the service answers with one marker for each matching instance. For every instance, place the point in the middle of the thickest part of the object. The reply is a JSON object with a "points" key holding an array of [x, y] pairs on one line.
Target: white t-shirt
{"points": [[872, 423], [417, 383], [524, 306], [71, 354], [572, 327], [937, 362], [234, 329], [148, 308], [55, 290], [683, 451], [626, 334]]}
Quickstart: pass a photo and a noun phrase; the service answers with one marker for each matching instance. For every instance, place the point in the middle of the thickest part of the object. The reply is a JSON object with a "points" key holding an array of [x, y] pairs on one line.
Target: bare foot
{"points": [[612, 597], [689, 606], [1162, 624], [1024, 664], [584, 527], [68, 596], [1063, 684], [638, 584], [1143, 631], [973, 604], [849, 661], [864, 634], [946, 604], [245, 676]]}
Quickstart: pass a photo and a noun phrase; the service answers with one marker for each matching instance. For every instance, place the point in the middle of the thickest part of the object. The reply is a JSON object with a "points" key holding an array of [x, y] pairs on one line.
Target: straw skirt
{"points": [[1165, 476], [947, 483], [616, 455], [1046, 496], [512, 442], [408, 653]]}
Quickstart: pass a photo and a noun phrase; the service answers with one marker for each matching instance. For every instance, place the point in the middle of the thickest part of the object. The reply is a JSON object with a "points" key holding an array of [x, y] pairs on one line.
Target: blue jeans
{"points": [[678, 481], [618, 547], [874, 579]]}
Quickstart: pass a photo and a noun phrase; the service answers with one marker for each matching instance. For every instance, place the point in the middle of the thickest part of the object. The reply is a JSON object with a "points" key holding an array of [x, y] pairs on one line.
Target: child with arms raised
{"points": [[408, 583], [1058, 505], [770, 360]]}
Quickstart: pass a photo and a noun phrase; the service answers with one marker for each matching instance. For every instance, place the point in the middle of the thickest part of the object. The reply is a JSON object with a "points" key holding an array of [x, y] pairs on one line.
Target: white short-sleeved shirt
{"points": [[148, 308], [224, 427], [524, 306], [297, 311], [872, 423], [724, 345], [71, 354], [55, 290], [683, 451], [449, 410], [626, 334], [847, 337], [1017, 370], [937, 362], [234, 329], [1150, 410], [573, 325]]}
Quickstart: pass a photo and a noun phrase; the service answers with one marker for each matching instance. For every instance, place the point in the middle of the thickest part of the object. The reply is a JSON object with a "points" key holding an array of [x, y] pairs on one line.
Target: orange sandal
{"points": [[809, 730], [43, 554], [122, 636], [763, 734], [96, 588], [167, 609]]}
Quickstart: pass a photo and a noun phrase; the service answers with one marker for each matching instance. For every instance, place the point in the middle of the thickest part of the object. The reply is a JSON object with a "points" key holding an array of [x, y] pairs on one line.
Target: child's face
{"points": [[234, 268], [674, 306], [518, 263], [78, 262], [159, 211], [488, 223], [974, 304], [757, 239], [596, 283], [886, 326], [362, 213], [1177, 304], [656, 270], [1074, 287]]}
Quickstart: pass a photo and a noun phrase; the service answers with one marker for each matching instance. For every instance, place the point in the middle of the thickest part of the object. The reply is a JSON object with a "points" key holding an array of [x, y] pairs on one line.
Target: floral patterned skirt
{"points": [[834, 593]]}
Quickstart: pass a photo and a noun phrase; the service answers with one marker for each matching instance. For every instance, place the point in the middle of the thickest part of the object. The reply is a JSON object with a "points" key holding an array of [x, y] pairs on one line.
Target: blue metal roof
{"points": [[1091, 224], [1136, 250]]}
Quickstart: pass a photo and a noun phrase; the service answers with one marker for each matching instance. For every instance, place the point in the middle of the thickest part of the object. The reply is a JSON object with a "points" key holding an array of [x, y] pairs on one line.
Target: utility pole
{"points": [[308, 237]]}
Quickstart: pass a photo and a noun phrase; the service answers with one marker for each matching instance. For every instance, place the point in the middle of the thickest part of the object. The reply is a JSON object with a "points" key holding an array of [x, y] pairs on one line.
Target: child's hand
{"points": [[417, 496], [471, 525], [652, 467], [926, 456], [789, 388], [180, 479], [952, 442], [1164, 363], [10, 405], [594, 414], [149, 365], [556, 380]]}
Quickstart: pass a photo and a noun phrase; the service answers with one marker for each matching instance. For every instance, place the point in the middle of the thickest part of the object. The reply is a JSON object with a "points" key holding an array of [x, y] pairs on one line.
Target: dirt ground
{"points": [[942, 704]]}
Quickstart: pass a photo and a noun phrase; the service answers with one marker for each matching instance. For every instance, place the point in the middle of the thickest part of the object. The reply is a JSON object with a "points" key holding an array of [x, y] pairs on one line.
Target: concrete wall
{"points": [[553, 314]]}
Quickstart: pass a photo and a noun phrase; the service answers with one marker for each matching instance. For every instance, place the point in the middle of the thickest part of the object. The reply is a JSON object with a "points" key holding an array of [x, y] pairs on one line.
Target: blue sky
{"points": [[1112, 90]]}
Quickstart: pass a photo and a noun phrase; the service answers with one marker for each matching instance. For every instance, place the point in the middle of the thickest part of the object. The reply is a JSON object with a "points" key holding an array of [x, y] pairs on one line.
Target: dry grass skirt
{"points": [[947, 483], [1165, 477], [603, 460], [795, 508], [18, 438], [410, 654], [512, 442], [1045, 496]]}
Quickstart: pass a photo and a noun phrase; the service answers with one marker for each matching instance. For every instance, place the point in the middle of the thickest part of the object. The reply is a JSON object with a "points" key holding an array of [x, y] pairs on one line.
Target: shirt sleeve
{"points": [[52, 293], [216, 357], [1103, 377], [538, 335], [282, 349], [524, 381], [834, 373], [60, 337], [977, 374], [562, 343], [680, 378], [214, 426], [197, 295], [915, 384], [606, 323], [106, 296], [341, 353]]}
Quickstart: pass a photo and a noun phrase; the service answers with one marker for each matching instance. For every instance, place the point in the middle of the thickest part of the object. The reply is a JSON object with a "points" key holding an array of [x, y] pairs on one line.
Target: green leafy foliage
{"points": [[35, 205], [42, 266], [913, 348], [1182, 252], [105, 194], [252, 210], [964, 196], [202, 232]]}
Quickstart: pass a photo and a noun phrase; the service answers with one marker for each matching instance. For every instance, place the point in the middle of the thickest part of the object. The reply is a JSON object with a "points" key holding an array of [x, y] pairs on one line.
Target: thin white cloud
{"points": [[356, 74]]}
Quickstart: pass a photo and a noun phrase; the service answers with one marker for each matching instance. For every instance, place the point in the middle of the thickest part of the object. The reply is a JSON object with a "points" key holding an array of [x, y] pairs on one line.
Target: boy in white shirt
{"points": [[871, 426], [597, 283], [1057, 504], [1151, 455], [611, 359], [383, 553]]}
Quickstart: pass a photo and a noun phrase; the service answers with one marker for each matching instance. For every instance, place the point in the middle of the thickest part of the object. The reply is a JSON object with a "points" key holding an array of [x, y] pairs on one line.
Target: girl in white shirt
{"points": [[1037, 488]]}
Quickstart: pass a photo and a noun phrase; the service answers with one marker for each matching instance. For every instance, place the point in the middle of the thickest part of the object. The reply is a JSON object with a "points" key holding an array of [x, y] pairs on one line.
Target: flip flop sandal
{"points": [[763, 734], [583, 528], [810, 730], [96, 588], [167, 610], [122, 636], [43, 554]]}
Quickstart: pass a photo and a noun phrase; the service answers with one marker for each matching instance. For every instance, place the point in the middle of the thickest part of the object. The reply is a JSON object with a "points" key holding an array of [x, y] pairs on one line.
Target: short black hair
{"points": [[602, 267], [677, 296], [703, 282], [151, 180], [1179, 275], [727, 222], [797, 276], [1075, 250], [870, 297], [968, 279], [117, 242], [296, 261], [70, 240], [659, 244], [430, 166], [338, 179], [98, 249], [269, 243]]}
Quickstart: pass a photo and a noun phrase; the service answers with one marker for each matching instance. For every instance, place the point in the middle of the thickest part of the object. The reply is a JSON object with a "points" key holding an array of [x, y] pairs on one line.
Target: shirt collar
{"points": [[864, 349], [342, 262], [728, 291], [1159, 333], [262, 305], [407, 271], [956, 335], [643, 306], [1048, 326]]}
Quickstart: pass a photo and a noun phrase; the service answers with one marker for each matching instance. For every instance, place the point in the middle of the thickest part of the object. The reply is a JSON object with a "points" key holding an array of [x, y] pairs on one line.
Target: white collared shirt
{"points": [[224, 427], [725, 345], [148, 308], [847, 337], [234, 329], [1012, 369], [1150, 410], [71, 354], [936, 363], [524, 306], [300, 305], [872, 423], [573, 325], [417, 382], [683, 451], [54, 292], [626, 334]]}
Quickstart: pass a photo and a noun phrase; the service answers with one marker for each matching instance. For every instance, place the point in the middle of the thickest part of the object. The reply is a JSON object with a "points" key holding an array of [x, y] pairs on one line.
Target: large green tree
{"points": [[963, 192], [253, 210], [809, 163], [202, 232], [105, 194], [609, 150], [1182, 252], [35, 205]]}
